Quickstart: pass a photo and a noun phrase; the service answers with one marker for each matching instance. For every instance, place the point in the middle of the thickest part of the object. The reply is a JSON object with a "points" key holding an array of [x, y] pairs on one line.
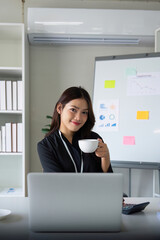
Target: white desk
{"points": [[140, 226], [15, 226]]}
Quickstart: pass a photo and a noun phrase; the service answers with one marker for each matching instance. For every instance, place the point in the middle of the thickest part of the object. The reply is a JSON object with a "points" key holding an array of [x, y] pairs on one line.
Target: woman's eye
{"points": [[85, 113], [73, 109]]}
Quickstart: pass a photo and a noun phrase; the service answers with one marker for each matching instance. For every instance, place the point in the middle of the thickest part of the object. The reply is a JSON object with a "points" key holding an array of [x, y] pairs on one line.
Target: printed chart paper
{"points": [[107, 115], [143, 84]]}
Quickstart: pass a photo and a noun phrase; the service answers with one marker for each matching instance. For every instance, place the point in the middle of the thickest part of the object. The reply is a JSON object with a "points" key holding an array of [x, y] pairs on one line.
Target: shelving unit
{"points": [[13, 164]]}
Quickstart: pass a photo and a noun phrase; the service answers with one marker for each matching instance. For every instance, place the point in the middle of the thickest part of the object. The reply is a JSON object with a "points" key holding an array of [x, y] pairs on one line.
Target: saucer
{"points": [[4, 213]]}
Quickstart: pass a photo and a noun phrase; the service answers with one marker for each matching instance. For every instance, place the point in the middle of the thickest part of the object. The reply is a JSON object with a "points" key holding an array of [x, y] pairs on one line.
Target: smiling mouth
{"points": [[76, 123]]}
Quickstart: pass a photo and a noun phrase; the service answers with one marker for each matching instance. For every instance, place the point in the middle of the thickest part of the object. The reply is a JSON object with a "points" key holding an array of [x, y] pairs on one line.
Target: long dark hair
{"points": [[67, 96]]}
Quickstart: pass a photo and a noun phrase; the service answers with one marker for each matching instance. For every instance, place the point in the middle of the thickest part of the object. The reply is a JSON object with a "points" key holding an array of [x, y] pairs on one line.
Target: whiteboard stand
{"points": [[157, 40], [126, 110], [129, 182], [154, 183], [141, 165], [157, 49]]}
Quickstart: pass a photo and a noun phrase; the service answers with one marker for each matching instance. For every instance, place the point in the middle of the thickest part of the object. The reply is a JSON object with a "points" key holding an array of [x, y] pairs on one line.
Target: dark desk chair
{"points": [[125, 195]]}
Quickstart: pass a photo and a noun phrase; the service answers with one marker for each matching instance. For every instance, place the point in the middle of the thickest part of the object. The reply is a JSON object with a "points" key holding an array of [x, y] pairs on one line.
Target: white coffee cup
{"points": [[88, 145]]}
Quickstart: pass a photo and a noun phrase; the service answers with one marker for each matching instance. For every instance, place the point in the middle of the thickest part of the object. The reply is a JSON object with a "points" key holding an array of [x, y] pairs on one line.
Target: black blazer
{"points": [[55, 158]]}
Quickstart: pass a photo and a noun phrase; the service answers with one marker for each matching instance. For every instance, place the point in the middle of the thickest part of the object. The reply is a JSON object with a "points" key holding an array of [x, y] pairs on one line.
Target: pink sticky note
{"points": [[129, 140]]}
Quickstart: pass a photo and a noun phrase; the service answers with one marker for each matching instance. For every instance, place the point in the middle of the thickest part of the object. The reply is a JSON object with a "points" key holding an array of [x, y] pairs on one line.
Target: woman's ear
{"points": [[59, 108]]}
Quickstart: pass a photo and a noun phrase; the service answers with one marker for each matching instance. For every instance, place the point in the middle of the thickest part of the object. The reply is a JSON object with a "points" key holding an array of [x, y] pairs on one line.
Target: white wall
{"points": [[53, 69]]}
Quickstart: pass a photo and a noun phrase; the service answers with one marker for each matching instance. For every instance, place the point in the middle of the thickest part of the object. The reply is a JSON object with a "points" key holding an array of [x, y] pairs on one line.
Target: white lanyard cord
{"points": [[71, 155]]}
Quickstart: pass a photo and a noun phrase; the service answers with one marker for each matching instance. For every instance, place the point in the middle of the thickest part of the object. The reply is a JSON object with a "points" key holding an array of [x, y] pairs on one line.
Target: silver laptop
{"points": [[71, 202]]}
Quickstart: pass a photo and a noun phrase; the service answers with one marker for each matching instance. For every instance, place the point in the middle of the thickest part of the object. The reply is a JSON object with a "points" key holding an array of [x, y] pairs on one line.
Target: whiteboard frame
{"points": [[117, 162]]}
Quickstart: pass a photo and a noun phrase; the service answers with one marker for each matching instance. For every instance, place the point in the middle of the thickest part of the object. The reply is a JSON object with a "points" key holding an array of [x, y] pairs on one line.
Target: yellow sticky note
{"points": [[109, 84], [143, 115]]}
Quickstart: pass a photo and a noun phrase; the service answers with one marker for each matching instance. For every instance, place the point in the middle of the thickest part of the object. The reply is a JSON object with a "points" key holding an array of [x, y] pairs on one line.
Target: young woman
{"points": [[73, 119]]}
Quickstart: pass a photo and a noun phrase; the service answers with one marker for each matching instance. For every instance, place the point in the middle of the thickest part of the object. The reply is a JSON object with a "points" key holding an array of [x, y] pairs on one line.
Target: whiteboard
{"points": [[126, 103]]}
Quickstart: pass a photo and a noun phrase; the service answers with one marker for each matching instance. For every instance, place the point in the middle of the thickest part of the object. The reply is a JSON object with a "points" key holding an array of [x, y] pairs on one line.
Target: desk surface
{"points": [[142, 225]]}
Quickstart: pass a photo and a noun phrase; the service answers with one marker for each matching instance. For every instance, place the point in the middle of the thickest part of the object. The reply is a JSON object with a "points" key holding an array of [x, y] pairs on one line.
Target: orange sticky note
{"points": [[143, 115], [129, 140]]}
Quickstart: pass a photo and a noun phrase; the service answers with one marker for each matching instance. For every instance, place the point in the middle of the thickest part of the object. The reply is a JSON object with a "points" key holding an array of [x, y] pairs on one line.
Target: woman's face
{"points": [[73, 116]]}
